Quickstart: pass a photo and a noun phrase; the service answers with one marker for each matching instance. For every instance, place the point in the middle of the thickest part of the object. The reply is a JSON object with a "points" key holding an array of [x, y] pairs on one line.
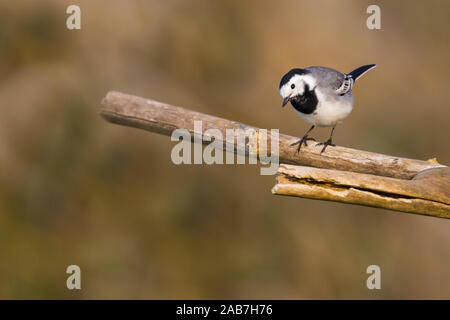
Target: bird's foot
{"points": [[325, 145], [301, 142]]}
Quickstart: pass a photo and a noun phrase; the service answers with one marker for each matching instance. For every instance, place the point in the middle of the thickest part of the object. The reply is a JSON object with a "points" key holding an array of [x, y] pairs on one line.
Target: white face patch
{"points": [[298, 83]]}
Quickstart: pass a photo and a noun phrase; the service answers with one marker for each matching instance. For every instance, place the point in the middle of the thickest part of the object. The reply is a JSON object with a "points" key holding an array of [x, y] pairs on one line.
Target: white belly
{"points": [[330, 111]]}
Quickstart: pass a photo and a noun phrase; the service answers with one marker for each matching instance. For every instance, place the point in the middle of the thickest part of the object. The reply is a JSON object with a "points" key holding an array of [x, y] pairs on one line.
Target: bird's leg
{"points": [[328, 142], [303, 140]]}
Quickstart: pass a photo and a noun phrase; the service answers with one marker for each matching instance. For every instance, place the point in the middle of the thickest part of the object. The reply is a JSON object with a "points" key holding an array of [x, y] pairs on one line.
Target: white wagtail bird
{"points": [[320, 96]]}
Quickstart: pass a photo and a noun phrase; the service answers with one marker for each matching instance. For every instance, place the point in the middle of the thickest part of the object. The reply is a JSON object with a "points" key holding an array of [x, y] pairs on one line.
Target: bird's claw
{"points": [[325, 145], [301, 142]]}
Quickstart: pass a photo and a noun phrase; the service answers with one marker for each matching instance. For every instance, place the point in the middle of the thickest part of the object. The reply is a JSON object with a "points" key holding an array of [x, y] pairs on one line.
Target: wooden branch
{"points": [[361, 175], [427, 193]]}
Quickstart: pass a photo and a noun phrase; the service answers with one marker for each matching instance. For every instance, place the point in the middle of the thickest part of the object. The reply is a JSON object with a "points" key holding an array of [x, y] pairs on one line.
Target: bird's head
{"points": [[293, 84]]}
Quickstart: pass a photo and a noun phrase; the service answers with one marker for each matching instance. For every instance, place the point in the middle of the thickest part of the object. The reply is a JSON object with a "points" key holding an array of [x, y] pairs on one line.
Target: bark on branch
{"points": [[352, 176]]}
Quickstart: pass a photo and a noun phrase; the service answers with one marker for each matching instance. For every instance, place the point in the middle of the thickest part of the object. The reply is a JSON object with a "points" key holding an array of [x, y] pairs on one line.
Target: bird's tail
{"points": [[355, 74]]}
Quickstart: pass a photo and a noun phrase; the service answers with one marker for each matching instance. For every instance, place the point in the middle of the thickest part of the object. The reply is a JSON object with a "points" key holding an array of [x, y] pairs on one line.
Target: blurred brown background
{"points": [[75, 189]]}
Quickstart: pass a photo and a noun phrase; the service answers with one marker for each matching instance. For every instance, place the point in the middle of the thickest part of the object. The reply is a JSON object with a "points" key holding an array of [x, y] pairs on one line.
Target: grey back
{"points": [[328, 78]]}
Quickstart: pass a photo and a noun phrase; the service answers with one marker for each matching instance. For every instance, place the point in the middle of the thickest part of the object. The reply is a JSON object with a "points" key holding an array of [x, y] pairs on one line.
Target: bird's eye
{"points": [[292, 86]]}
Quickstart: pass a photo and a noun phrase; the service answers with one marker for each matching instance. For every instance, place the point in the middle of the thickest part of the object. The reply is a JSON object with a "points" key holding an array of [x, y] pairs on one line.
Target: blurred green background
{"points": [[75, 189]]}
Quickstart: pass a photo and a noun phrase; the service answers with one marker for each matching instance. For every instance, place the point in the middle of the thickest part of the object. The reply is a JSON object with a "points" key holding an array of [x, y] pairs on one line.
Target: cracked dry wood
{"points": [[426, 193]]}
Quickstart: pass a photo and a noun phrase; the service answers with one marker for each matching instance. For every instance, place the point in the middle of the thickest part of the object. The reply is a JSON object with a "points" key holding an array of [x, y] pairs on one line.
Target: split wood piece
{"points": [[428, 193]]}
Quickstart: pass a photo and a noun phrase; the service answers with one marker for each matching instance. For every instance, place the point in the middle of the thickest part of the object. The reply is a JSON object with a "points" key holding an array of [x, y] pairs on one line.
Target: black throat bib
{"points": [[305, 103]]}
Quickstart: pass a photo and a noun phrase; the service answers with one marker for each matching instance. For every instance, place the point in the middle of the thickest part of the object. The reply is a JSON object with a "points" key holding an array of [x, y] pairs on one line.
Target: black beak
{"points": [[285, 101]]}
